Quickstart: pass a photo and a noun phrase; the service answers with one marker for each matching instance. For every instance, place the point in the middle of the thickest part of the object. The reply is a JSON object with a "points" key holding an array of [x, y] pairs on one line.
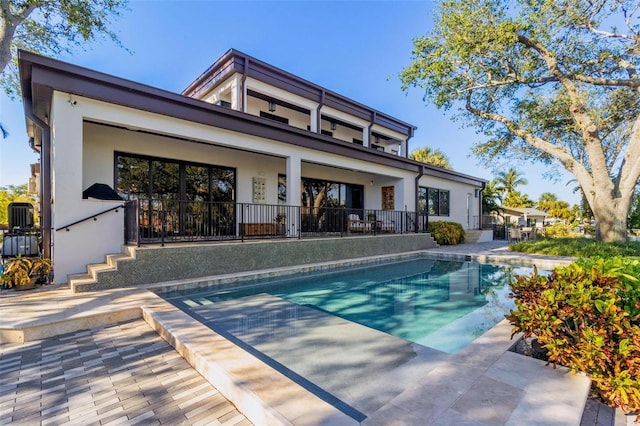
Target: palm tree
{"points": [[547, 202], [517, 199], [508, 181], [431, 156], [490, 198]]}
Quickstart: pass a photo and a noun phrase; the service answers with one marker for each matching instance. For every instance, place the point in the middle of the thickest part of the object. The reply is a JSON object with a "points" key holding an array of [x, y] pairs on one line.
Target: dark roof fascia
{"points": [[42, 75], [439, 172], [214, 75], [235, 61]]}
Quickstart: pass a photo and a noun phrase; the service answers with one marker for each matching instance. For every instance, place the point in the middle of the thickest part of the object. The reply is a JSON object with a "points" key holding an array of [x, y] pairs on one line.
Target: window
{"points": [[326, 133], [177, 197], [357, 141], [282, 189], [444, 203], [147, 177], [433, 201], [422, 199]]}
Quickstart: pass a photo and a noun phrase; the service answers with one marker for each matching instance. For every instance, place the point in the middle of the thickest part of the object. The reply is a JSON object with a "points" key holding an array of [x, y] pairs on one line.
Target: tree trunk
{"points": [[611, 220]]}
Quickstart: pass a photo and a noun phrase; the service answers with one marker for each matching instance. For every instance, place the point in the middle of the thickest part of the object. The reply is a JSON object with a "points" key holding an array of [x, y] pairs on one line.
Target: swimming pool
{"points": [[358, 337], [441, 304]]}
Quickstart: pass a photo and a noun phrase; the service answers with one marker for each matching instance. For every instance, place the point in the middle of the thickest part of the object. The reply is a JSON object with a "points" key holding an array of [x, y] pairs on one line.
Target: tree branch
{"points": [[577, 108], [631, 160], [515, 80], [633, 83], [568, 161], [608, 34], [8, 26]]}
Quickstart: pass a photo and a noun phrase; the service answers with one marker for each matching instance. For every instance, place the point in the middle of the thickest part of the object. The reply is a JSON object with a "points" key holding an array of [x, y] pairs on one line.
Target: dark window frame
{"points": [[434, 201], [344, 189], [182, 174]]}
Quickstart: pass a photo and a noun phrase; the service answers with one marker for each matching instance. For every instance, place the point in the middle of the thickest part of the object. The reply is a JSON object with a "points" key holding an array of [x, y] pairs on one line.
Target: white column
{"points": [[237, 97], [313, 122], [294, 177], [365, 137]]}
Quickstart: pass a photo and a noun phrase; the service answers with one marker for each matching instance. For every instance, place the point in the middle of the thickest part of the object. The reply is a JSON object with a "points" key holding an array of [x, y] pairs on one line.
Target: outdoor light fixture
{"points": [[333, 125], [272, 106]]}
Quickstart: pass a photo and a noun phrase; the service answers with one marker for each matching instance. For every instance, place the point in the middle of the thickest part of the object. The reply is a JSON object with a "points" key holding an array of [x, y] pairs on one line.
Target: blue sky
{"points": [[355, 48]]}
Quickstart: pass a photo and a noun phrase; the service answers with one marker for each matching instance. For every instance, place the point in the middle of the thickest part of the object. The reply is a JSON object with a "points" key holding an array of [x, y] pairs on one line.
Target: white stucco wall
{"points": [[88, 241], [459, 193], [83, 154]]}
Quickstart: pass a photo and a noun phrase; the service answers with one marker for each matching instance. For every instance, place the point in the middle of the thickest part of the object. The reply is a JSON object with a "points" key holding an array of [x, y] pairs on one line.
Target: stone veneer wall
{"points": [[176, 262]]}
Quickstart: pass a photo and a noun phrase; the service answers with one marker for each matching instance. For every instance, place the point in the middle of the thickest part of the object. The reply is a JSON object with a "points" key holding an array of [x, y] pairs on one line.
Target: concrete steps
{"points": [[81, 282], [472, 236]]}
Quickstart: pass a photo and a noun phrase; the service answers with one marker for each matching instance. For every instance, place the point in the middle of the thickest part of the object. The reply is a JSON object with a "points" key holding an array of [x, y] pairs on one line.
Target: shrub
{"points": [[577, 247], [446, 233], [587, 317], [558, 230]]}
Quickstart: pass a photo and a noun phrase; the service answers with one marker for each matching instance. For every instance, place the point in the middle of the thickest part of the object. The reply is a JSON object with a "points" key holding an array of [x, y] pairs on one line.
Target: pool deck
{"points": [[484, 384]]}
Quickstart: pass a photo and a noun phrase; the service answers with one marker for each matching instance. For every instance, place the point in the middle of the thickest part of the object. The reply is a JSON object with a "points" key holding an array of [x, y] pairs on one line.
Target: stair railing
{"points": [[93, 216]]}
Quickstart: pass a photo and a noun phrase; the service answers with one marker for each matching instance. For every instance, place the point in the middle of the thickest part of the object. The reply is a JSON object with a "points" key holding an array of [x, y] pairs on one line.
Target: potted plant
{"points": [[23, 272], [280, 220]]}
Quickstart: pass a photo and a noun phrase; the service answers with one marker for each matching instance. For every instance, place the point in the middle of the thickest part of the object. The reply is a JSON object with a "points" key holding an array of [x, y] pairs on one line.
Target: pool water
{"points": [[440, 304]]}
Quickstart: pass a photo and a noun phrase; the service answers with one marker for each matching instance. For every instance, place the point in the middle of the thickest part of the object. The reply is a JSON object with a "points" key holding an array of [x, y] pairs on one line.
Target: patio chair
{"points": [[515, 234], [355, 224], [386, 225]]}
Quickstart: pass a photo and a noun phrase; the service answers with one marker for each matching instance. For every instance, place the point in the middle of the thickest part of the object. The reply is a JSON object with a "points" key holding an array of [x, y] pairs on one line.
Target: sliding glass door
{"points": [[176, 198]]}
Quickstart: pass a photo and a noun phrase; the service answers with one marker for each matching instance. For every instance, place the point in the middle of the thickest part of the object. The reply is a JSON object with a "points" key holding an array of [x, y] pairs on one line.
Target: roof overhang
{"points": [[41, 76], [521, 211], [235, 61]]}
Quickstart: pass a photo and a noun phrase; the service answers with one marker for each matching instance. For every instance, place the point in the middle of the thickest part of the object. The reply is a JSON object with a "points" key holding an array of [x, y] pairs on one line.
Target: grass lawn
{"points": [[577, 247]]}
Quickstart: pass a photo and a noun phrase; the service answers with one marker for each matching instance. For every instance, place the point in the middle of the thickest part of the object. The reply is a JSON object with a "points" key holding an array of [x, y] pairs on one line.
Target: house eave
{"points": [[41, 76], [236, 61]]}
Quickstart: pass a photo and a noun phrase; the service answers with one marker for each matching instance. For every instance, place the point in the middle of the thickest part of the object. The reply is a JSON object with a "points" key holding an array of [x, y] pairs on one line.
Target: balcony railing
{"points": [[164, 221]]}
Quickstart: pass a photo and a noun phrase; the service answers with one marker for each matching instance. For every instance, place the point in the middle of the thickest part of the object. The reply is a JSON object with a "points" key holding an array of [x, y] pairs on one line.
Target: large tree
{"points": [[50, 27], [554, 81]]}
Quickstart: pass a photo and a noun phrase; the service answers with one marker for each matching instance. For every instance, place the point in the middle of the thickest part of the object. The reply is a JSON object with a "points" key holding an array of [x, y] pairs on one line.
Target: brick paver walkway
{"points": [[119, 374]]}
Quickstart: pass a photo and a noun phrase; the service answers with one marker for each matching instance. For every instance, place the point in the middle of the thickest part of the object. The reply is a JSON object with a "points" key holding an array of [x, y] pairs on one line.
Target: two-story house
{"points": [[246, 151]]}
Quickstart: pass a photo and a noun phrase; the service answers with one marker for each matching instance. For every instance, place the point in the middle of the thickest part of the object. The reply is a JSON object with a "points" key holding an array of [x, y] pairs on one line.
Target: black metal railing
{"points": [[164, 221], [90, 217]]}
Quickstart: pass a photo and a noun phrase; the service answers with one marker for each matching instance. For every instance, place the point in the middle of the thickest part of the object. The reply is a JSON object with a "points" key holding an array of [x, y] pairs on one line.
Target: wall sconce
{"points": [[371, 183], [272, 106], [377, 139], [333, 125]]}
